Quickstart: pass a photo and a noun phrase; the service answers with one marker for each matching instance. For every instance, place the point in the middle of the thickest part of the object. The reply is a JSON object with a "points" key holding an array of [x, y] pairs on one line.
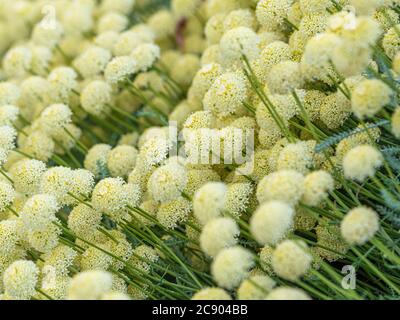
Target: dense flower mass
{"points": [[199, 149]]}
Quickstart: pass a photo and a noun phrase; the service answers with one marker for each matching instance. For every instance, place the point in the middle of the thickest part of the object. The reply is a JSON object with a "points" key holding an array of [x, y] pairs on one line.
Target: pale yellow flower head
{"points": [[7, 195], [209, 201], [291, 260], [89, 285], [362, 162], [167, 182], [239, 42], [256, 287], [27, 175], [369, 97], [20, 279], [211, 294], [285, 186], [231, 266], [218, 234], [271, 222], [359, 225]]}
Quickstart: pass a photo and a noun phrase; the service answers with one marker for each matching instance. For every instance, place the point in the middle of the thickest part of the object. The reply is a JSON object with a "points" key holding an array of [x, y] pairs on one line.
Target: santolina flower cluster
{"points": [[285, 171]]}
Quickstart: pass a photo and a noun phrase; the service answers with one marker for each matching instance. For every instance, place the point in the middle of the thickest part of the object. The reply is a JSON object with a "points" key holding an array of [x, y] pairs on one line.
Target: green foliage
{"points": [[337, 137]]}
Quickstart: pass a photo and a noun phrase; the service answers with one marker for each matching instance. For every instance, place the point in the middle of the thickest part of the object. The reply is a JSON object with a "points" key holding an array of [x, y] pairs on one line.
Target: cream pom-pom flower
{"points": [[92, 62], [77, 18], [27, 175], [299, 156], [81, 186], [89, 285], [54, 118], [199, 177], [362, 162], [238, 198], [95, 259], [119, 69], [96, 98], [218, 234], [121, 249], [122, 6], [7, 137], [60, 259], [256, 287], [39, 211], [314, 6], [238, 42], [317, 186], [366, 7], [62, 81], [284, 77], [34, 91], [17, 62], [84, 221], [38, 145], [203, 80], [109, 195], [231, 266], [211, 294], [163, 23], [108, 26], [315, 63], [128, 40], [20, 279], [185, 68], [8, 115], [46, 239], [9, 237], [209, 201], [57, 181], [146, 55], [121, 160], [359, 225], [143, 257], [285, 107], [271, 13], [3, 155], [226, 95], [7, 195], [284, 185], [9, 93], [114, 295], [167, 182], [369, 97], [199, 119], [271, 222], [240, 18], [107, 39], [214, 28], [174, 212], [48, 37], [184, 8], [291, 260], [391, 42]]}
